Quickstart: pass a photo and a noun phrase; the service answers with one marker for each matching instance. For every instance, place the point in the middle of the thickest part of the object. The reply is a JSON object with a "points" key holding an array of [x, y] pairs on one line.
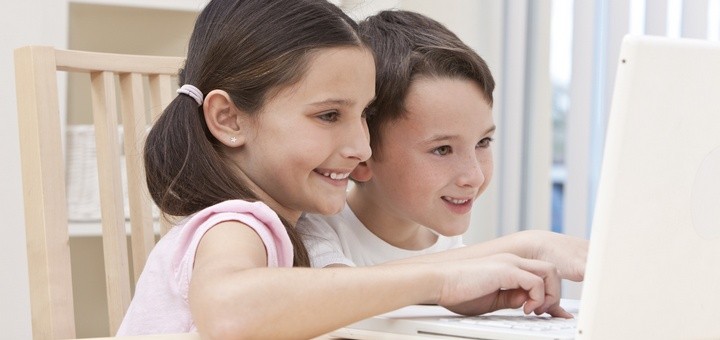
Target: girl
{"points": [[269, 124]]}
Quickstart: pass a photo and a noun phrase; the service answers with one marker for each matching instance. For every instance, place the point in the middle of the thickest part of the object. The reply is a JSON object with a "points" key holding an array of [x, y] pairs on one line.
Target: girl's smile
{"points": [[336, 177]]}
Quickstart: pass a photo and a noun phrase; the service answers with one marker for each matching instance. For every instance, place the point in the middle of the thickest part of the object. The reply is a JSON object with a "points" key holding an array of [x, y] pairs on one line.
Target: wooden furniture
{"points": [[43, 173], [359, 333]]}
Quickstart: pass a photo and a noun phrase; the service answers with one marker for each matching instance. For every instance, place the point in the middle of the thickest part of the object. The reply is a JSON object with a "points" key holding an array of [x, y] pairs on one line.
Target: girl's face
{"points": [[434, 162], [309, 137]]}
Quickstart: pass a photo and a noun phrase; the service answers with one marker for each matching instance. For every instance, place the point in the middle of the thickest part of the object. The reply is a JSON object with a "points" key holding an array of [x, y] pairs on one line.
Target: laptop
{"points": [[653, 269]]}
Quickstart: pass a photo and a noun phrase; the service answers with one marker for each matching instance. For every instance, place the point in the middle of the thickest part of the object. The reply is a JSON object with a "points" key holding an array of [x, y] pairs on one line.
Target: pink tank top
{"points": [[160, 304]]}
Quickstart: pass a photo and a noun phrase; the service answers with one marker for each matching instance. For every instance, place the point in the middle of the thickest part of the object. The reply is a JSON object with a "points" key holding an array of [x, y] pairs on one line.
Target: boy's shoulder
{"points": [[314, 223]]}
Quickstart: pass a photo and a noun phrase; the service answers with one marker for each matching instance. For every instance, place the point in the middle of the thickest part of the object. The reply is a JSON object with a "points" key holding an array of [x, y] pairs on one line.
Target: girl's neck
{"points": [[290, 215], [394, 230]]}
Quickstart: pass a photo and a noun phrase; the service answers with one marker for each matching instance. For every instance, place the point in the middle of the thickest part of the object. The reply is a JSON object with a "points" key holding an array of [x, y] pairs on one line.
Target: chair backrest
{"points": [[44, 178]]}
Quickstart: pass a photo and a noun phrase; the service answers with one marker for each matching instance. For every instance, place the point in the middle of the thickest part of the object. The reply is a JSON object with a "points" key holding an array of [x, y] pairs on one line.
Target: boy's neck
{"points": [[396, 231]]}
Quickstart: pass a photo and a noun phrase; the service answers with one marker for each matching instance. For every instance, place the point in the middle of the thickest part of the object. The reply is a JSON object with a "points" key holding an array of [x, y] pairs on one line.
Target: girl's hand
{"points": [[478, 286]]}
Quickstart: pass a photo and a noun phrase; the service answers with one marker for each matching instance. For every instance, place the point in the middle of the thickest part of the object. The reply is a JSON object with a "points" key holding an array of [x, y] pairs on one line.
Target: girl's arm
{"points": [[234, 295], [568, 253]]}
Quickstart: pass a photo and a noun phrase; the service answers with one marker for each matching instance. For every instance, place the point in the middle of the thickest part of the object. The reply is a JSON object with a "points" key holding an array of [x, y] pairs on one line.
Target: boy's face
{"points": [[435, 161]]}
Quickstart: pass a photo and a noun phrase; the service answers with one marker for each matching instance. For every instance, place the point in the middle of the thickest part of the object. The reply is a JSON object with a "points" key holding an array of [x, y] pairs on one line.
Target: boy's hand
{"points": [[568, 253]]}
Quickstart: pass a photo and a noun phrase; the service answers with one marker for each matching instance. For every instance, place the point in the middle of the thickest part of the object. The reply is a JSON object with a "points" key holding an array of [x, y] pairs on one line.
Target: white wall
{"points": [[40, 22]]}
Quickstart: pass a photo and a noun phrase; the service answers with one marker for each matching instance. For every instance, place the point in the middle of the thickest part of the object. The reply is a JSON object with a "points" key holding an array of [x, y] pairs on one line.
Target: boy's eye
{"points": [[443, 150], [485, 142], [331, 116]]}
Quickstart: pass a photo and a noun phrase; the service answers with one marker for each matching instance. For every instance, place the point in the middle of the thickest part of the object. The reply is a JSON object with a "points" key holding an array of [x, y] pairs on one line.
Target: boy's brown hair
{"points": [[407, 46]]}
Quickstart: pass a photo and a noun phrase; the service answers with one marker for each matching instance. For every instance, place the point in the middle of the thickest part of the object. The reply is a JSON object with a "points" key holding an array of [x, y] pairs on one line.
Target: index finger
{"points": [[558, 311]]}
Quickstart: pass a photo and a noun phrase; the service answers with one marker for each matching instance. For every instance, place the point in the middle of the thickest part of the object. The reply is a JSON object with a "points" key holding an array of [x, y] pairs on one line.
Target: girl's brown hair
{"points": [[250, 49]]}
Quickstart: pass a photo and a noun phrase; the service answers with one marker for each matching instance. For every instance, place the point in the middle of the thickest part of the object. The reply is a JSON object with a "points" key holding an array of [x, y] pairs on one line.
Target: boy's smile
{"points": [[433, 163], [458, 206]]}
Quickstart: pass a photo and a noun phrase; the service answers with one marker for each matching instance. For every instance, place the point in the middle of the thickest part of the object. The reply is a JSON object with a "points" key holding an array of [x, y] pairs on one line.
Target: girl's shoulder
{"points": [[258, 210], [256, 215]]}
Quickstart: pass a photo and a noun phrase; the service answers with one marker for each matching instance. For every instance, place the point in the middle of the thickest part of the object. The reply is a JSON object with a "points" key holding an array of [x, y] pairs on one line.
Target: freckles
{"points": [[486, 159]]}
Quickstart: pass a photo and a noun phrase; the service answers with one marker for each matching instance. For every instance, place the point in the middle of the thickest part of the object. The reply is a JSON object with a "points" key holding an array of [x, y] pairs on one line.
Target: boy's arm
{"points": [[568, 253]]}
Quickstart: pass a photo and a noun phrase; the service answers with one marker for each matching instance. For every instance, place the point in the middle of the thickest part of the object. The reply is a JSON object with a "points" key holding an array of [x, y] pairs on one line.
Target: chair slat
{"points": [[135, 126], [81, 61], [44, 194], [44, 182], [111, 196], [161, 97]]}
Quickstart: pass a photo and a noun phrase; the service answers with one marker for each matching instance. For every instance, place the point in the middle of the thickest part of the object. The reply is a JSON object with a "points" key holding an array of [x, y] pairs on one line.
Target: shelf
{"points": [[170, 5]]}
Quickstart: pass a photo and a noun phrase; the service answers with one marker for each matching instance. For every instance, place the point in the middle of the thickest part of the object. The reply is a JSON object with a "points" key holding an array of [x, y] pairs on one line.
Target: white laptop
{"points": [[653, 269]]}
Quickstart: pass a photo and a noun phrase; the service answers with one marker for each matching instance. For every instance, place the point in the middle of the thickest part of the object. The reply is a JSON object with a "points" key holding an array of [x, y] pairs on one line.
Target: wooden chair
{"points": [[44, 181]]}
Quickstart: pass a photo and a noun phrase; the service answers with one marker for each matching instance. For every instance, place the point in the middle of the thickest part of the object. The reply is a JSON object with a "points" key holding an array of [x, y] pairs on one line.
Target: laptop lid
{"points": [[653, 268]]}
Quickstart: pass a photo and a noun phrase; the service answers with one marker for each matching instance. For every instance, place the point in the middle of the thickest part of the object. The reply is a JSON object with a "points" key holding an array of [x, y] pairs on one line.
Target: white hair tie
{"points": [[193, 92]]}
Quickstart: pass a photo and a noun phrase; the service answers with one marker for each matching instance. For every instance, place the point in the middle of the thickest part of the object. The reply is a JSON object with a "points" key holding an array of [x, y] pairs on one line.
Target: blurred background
{"points": [[554, 62]]}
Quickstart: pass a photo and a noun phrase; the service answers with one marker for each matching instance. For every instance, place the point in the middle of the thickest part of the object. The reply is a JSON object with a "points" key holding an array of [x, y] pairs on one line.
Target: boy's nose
{"points": [[471, 172]]}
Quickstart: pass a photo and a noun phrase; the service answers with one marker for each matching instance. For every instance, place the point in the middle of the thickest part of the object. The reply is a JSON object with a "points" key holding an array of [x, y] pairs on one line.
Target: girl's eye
{"points": [[331, 116], [484, 143], [443, 150]]}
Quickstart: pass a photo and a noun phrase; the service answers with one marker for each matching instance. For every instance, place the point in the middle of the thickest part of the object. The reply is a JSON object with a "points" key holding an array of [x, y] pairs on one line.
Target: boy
{"points": [[431, 128]]}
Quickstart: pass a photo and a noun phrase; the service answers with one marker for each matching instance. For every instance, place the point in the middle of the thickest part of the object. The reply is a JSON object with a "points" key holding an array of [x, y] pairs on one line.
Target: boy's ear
{"points": [[224, 119], [361, 173]]}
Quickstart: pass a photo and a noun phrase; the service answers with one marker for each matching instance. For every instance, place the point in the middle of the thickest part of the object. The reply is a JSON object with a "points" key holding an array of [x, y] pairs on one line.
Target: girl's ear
{"points": [[224, 119], [361, 173]]}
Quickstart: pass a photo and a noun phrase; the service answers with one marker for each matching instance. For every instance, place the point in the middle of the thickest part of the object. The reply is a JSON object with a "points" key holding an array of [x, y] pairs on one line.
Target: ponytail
{"points": [[246, 48]]}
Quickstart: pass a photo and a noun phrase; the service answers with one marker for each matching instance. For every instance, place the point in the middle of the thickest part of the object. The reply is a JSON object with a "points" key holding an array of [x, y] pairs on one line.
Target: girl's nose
{"points": [[358, 143]]}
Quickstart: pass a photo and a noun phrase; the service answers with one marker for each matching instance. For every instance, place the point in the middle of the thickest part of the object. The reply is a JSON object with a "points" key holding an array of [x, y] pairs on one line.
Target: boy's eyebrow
{"points": [[447, 137]]}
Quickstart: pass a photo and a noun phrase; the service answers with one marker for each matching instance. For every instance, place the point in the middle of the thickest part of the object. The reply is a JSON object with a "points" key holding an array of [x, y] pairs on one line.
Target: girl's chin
{"points": [[330, 209]]}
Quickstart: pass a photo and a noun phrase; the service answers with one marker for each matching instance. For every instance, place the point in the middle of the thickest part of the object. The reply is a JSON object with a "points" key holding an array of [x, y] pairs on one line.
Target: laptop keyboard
{"points": [[529, 323]]}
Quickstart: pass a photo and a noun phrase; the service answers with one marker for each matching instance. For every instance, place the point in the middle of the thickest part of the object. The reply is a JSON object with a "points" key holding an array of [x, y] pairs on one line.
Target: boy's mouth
{"points": [[458, 201], [460, 206]]}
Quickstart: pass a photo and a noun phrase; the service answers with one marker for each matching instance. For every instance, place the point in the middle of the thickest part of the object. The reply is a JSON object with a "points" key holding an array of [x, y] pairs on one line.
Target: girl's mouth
{"points": [[334, 175]]}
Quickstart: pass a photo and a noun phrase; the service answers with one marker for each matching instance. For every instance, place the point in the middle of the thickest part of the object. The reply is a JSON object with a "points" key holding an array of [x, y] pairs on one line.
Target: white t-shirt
{"points": [[343, 239]]}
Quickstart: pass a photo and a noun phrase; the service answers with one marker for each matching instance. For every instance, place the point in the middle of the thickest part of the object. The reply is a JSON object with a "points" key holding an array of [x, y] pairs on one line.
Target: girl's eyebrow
{"points": [[332, 101], [337, 101]]}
